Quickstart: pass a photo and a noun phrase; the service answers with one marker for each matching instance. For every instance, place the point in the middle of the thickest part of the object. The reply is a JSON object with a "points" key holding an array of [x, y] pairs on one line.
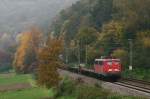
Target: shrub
{"points": [[66, 87], [87, 92], [137, 73], [74, 90]]}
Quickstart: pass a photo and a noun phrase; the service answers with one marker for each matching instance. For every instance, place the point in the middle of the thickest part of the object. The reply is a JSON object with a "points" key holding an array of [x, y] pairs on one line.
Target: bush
{"points": [[79, 91], [137, 73], [66, 87], [86, 92], [75, 90]]}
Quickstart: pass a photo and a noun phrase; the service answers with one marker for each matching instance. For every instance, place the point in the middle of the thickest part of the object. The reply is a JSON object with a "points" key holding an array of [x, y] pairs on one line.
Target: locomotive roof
{"points": [[107, 59]]}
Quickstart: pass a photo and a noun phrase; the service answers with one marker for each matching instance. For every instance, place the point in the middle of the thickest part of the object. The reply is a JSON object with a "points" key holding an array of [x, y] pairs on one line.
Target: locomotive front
{"points": [[108, 67]]}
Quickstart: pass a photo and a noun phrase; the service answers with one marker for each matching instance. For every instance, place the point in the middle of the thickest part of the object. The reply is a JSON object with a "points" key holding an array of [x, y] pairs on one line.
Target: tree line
{"points": [[106, 26], [92, 28], [39, 56]]}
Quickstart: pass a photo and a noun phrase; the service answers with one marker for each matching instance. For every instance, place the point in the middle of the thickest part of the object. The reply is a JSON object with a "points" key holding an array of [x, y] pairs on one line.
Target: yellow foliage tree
{"points": [[21, 51], [49, 62], [26, 54]]}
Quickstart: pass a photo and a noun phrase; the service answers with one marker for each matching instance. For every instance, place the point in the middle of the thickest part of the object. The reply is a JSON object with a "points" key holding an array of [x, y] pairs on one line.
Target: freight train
{"points": [[104, 67]]}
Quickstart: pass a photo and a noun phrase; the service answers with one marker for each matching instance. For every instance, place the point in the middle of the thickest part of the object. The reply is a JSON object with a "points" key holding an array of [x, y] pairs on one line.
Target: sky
{"points": [[16, 15]]}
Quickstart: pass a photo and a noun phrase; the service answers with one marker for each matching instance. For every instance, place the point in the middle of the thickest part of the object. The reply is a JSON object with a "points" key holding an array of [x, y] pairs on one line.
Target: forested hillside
{"points": [[104, 27]]}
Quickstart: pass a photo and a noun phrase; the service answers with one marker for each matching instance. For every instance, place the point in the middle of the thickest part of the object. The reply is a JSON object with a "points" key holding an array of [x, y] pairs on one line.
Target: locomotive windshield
{"points": [[110, 62], [98, 63]]}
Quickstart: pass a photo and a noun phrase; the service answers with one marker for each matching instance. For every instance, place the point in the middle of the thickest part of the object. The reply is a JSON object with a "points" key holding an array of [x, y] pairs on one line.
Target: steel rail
{"points": [[125, 82], [133, 87]]}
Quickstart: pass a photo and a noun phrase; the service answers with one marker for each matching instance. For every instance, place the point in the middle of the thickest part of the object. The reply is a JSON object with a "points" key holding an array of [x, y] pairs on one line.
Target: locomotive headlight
{"points": [[110, 70], [116, 69]]}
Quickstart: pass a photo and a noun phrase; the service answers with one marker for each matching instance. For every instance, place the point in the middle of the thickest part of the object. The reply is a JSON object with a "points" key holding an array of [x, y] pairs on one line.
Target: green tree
{"points": [[110, 37], [141, 49], [122, 55], [101, 11], [134, 13], [26, 54], [87, 35], [92, 54]]}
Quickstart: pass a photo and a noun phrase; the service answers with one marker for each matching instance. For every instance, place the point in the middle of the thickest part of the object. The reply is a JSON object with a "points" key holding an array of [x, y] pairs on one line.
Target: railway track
{"points": [[135, 80], [135, 84], [139, 85]]}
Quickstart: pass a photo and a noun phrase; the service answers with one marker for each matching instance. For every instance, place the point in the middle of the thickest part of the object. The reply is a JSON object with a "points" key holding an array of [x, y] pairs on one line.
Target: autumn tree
{"points": [[111, 36], [141, 49], [92, 54], [26, 54], [87, 35], [49, 62], [134, 13], [123, 55]]}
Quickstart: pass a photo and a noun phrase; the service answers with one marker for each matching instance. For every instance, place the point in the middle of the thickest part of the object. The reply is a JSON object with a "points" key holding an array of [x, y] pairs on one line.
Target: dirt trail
{"points": [[7, 75], [14, 87]]}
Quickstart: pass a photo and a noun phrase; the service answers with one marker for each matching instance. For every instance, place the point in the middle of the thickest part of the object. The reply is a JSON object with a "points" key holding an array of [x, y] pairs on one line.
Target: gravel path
{"points": [[106, 85]]}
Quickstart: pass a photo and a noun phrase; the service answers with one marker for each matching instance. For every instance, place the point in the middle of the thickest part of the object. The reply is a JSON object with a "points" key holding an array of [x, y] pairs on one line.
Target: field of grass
{"points": [[14, 79], [33, 93]]}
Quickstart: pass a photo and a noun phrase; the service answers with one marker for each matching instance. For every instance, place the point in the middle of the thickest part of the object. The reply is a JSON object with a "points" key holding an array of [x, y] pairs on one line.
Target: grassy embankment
{"points": [[75, 90]]}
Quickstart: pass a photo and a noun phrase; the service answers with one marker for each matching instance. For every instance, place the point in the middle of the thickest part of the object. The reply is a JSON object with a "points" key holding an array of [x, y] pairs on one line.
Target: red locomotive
{"points": [[108, 67], [104, 67]]}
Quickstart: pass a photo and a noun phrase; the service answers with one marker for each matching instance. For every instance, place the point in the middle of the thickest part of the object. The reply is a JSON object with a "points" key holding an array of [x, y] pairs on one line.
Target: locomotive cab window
{"points": [[98, 63]]}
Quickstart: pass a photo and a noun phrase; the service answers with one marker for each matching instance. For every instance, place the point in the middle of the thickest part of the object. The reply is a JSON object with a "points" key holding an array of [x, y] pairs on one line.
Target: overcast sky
{"points": [[16, 15]]}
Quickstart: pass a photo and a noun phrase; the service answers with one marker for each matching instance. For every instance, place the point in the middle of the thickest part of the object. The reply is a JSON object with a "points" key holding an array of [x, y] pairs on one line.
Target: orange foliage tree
{"points": [[49, 62], [27, 50]]}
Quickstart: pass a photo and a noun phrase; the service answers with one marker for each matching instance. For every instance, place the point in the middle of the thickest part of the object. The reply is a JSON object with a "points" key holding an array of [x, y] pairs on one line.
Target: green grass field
{"points": [[30, 93], [14, 79], [33, 93]]}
